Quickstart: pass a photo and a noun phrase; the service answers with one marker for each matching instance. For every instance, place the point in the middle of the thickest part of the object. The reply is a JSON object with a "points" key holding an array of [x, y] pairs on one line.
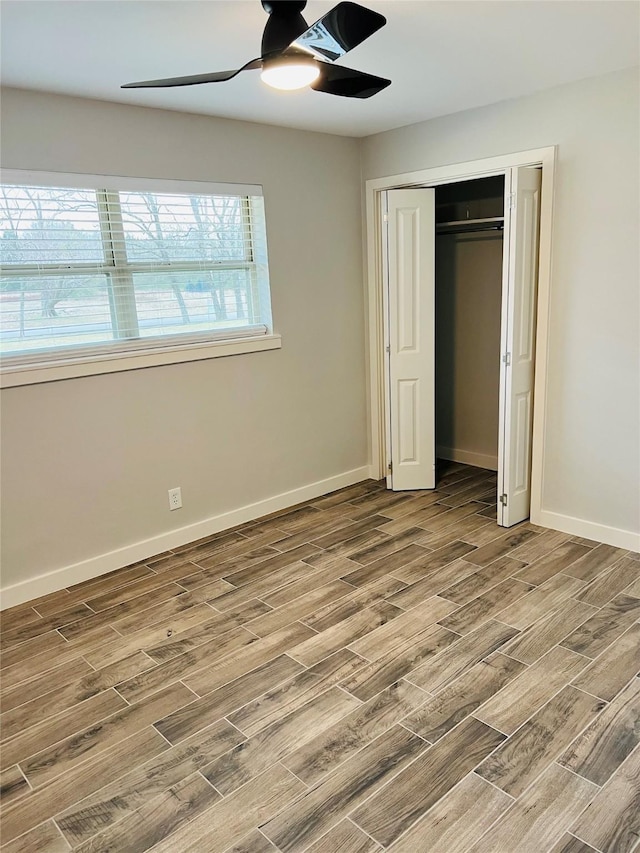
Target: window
{"points": [[101, 272]]}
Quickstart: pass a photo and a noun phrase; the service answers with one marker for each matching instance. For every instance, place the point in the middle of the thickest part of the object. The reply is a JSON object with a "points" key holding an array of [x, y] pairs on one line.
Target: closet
{"points": [[460, 267], [468, 297]]}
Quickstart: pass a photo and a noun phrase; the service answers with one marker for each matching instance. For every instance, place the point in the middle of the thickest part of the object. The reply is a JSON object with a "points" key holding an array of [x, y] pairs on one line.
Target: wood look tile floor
{"points": [[370, 670]]}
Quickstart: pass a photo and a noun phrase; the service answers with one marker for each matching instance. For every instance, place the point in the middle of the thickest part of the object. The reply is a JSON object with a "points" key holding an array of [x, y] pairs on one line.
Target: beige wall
{"points": [[87, 462], [468, 302], [592, 434]]}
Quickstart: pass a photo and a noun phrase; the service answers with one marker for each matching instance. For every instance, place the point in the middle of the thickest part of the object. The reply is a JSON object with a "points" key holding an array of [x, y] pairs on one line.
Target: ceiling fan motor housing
{"points": [[284, 26]]}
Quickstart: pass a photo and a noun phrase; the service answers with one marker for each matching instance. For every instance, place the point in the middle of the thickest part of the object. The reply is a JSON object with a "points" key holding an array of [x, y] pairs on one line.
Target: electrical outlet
{"points": [[175, 498]]}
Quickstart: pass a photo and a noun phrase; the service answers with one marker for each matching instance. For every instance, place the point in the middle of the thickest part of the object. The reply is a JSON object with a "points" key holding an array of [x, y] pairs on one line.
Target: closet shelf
{"points": [[467, 226]]}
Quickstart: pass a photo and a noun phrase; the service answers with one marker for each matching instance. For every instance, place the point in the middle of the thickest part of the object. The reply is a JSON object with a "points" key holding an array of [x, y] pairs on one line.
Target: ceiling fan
{"points": [[295, 55]]}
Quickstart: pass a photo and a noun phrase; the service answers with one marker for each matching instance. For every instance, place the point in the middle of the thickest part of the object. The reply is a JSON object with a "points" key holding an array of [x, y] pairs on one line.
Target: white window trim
{"points": [[115, 362], [37, 368]]}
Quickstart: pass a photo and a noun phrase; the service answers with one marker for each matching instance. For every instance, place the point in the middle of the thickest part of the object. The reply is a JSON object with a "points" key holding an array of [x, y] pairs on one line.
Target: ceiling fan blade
{"points": [[214, 77], [337, 80], [346, 26]]}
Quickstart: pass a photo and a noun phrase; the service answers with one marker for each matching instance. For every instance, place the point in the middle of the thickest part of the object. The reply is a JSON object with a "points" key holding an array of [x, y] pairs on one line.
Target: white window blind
{"points": [[90, 270]]}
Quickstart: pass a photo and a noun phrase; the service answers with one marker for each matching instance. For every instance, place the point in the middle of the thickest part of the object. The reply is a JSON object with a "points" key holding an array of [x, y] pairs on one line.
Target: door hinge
{"points": [[388, 348], [390, 467], [507, 358], [503, 499], [385, 217], [511, 201]]}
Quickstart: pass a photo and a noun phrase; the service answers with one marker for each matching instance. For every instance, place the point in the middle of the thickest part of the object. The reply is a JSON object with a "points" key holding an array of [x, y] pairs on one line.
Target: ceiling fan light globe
{"points": [[290, 75]]}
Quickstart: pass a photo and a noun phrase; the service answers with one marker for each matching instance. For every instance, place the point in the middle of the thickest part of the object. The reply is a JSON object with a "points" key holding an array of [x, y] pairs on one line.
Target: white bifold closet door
{"points": [[519, 293], [409, 262], [409, 269]]}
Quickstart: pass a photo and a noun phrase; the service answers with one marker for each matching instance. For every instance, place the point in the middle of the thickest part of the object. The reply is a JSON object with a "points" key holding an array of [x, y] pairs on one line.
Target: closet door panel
{"points": [[410, 258], [519, 316]]}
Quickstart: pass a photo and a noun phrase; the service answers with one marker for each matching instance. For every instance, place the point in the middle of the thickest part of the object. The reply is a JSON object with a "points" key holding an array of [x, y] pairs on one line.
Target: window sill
{"points": [[73, 367]]}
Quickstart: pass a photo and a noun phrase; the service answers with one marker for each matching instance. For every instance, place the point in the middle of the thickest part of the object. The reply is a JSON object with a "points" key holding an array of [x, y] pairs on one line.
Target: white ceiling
{"points": [[441, 56]]}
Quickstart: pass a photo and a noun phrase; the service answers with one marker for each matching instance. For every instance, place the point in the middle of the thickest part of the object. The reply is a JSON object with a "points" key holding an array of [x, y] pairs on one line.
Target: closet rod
{"points": [[486, 220], [449, 230]]}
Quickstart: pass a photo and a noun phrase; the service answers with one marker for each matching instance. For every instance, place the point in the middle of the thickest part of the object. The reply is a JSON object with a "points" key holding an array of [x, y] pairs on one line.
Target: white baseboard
{"points": [[480, 460], [95, 566], [587, 529]]}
